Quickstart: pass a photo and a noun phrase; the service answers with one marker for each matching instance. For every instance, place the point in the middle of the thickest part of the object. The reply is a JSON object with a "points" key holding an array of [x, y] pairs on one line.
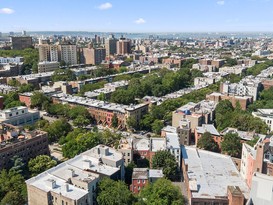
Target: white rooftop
{"points": [[172, 141], [261, 189], [88, 166], [211, 173], [155, 173], [44, 182], [158, 144], [207, 128], [169, 128]]}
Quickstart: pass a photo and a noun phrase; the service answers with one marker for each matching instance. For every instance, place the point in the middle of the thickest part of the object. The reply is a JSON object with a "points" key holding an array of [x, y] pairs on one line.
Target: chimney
{"points": [[87, 164], [70, 173], [104, 151], [65, 187], [51, 183]]}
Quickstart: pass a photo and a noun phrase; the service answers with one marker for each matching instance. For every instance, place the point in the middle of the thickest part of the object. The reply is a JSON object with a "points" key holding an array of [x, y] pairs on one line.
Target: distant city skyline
{"points": [[137, 16]]}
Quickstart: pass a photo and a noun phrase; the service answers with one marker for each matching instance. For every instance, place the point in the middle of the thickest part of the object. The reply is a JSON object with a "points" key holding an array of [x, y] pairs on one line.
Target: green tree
{"points": [[112, 192], [123, 96], [132, 123], [12, 198], [26, 88], [231, 145], [40, 164], [231, 62], [115, 120], [14, 104], [162, 192], [62, 63], [224, 113], [57, 129], [102, 97], [253, 141], [14, 82], [11, 181], [157, 126], [63, 75], [39, 100], [166, 161], [18, 164], [80, 143], [78, 110], [81, 121], [207, 142]]}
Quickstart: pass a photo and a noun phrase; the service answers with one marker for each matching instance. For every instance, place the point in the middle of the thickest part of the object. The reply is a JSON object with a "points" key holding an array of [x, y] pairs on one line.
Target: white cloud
{"points": [[6, 11], [140, 21], [105, 6], [221, 2]]}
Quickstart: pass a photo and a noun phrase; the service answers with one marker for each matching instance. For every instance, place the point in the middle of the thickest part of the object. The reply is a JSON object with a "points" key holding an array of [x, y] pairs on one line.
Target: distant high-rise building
{"points": [[111, 45], [48, 52], [68, 53], [20, 43], [123, 46], [24, 33], [93, 56], [11, 33]]}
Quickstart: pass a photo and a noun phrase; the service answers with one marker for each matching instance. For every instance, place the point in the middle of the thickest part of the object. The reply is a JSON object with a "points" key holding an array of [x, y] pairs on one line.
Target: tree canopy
{"points": [[40, 164], [166, 161], [39, 100], [12, 183], [162, 192], [63, 75], [112, 192], [231, 145], [207, 142], [227, 116]]}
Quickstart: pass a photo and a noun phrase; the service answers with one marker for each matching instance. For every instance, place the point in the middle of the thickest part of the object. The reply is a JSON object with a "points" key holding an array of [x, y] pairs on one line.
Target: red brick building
{"points": [[22, 143], [140, 179], [24, 98]]}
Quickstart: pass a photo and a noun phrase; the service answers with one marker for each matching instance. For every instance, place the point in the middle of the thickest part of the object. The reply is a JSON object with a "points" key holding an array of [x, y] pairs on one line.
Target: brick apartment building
{"points": [[20, 43], [103, 112], [244, 101], [15, 141]]}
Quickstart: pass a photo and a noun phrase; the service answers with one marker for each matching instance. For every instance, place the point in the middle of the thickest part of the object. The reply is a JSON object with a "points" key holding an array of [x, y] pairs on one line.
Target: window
{"points": [[138, 181], [143, 181]]}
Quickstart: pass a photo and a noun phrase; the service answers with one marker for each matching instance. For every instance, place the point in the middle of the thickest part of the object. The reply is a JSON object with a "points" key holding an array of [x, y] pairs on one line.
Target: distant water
{"points": [[155, 35]]}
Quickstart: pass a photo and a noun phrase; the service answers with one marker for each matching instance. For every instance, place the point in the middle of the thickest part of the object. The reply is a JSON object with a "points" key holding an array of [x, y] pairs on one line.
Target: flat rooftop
{"points": [[140, 173], [43, 182], [156, 173], [211, 173], [158, 144], [97, 103]]}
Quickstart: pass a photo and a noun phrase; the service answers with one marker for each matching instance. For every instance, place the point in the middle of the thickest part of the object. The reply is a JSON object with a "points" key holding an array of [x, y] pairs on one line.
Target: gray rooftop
{"points": [[261, 189], [211, 173], [207, 128]]}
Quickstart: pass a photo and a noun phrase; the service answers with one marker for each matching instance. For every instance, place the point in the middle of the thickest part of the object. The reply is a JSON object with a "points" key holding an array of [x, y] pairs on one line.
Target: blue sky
{"points": [[136, 15]]}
